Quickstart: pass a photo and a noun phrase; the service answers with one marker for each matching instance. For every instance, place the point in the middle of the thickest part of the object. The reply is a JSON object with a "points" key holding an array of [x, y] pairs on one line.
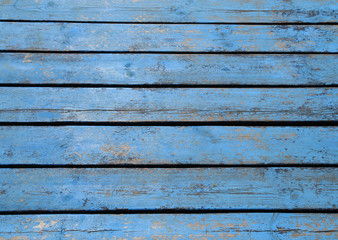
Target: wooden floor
{"points": [[168, 119]]}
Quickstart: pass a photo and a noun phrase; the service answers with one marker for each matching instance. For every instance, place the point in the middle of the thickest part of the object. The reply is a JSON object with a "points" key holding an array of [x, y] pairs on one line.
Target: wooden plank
{"points": [[171, 226], [257, 69], [42, 104], [167, 145], [167, 188], [171, 10], [167, 37]]}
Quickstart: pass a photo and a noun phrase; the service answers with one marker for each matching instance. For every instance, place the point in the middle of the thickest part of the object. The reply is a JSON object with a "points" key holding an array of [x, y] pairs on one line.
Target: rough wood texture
{"points": [[103, 42], [171, 10], [167, 145], [167, 188], [171, 226], [257, 69], [156, 104], [167, 37]]}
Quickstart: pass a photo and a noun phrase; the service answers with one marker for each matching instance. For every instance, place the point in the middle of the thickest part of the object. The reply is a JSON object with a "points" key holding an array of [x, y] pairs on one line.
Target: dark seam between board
{"points": [[165, 52], [171, 166], [167, 211], [95, 85], [171, 23], [178, 123]]}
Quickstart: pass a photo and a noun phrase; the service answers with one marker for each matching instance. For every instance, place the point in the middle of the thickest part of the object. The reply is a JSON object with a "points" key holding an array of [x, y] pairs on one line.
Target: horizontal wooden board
{"points": [[167, 188], [171, 10], [257, 69], [167, 145], [42, 104], [171, 226], [167, 37]]}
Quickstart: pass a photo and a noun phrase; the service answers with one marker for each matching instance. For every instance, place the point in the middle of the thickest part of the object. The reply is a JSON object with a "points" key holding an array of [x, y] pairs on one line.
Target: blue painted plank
{"points": [[257, 69], [167, 37], [42, 104], [167, 145], [171, 226], [171, 10], [167, 188]]}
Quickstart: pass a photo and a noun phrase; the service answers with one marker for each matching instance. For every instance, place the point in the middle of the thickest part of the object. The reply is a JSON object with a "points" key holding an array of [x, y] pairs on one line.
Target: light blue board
{"points": [[167, 37], [167, 145], [130, 69], [166, 104], [171, 226], [167, 188], [218, 27], [171, 10]]}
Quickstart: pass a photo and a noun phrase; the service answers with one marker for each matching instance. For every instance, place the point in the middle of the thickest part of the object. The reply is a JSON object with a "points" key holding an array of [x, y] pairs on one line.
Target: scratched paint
{"points": [[167, 145], [167, 104], [110, 30], [167, 188], [167, 37], [171, 10], [171, 226], [129, 69]]}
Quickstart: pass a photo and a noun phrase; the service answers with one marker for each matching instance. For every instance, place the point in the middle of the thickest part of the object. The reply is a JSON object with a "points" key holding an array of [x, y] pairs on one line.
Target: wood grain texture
{"points": [[171, 10], [167, 37], [167, 145], [167, 188], [106, 44], [257, 69], [171, 226], [170, 104]]}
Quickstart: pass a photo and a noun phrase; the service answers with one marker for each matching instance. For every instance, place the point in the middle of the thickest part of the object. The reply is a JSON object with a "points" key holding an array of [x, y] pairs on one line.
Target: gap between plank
{"points": [[172, 23], [94, 85], [168, 211], [184, 166], [164, 52], [179, 124]]}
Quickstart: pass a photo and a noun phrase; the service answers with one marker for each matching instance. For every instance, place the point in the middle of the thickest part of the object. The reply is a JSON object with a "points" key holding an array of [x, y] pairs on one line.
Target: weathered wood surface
{"points": [[170, 104], [167, 37], [171, 10], [167, 145], [167, 188], [122, 52], [171, 226], [257, 69]]}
